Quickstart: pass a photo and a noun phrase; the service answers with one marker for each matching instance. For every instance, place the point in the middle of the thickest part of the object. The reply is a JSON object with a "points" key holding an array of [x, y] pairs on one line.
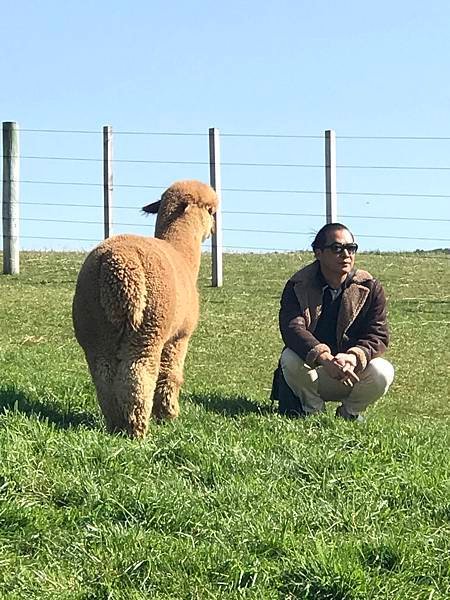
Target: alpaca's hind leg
{"points": [[103, 372], [134, 386], [170, 379]]}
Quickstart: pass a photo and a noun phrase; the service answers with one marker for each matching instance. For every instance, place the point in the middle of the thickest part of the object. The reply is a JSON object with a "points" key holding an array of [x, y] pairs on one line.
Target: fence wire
{"points": [[236, 212], [235, 164], [421, 254], [235, 230], [237, 190], [247, 135]]}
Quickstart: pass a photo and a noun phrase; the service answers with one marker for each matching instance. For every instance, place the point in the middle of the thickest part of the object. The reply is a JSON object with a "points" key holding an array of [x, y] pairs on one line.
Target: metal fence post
{"points": [[330, 176], [10, 205], [215, 180], [107, 180]]}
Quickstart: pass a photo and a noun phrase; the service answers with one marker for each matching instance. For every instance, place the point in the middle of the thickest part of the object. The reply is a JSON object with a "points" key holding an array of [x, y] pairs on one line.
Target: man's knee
{"points": [[297, 373], [290, 361], [380, 374]]}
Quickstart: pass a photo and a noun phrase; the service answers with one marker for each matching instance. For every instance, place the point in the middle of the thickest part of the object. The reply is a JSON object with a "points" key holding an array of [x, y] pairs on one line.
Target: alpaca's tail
{"points": [[123, 291]]}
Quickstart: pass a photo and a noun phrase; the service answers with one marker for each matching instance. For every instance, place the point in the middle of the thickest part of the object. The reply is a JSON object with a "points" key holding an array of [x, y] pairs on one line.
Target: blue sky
{"points": [[287, 68]]}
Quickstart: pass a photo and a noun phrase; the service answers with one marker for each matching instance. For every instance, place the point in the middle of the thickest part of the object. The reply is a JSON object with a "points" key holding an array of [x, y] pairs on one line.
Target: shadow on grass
{"points": [[228, 406], [15, 400]]}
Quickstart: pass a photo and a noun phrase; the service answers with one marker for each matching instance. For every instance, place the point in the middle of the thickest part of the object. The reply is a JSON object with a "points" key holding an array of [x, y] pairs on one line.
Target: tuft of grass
{"points": [[230, 500]]}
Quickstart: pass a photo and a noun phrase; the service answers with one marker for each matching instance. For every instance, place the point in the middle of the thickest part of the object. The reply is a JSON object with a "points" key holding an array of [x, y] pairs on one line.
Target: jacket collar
{"points": [[308, 287]]}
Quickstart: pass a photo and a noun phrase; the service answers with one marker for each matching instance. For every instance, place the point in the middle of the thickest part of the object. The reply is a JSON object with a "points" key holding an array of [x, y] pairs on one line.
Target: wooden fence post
{"points": [[107, 180], [215, 180], [10, 205], [330, 176]]}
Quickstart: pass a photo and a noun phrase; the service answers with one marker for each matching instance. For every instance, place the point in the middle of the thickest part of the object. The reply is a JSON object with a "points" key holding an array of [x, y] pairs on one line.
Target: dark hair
{"points": [[321, 237]]}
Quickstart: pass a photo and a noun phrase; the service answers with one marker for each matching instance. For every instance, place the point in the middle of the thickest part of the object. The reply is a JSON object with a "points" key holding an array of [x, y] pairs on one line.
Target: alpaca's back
{"points": [[136, 284]]}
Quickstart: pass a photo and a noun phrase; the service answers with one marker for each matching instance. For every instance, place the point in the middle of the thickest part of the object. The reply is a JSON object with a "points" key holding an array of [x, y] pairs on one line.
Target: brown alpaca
{"points": [[136, 307]]}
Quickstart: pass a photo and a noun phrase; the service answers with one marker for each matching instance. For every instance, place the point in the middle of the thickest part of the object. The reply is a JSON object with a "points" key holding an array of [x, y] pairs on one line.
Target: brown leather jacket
{"points": [[361, 326]]}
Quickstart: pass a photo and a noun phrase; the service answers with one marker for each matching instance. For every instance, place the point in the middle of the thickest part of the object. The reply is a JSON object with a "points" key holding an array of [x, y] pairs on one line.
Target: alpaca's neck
{"points": [[185, 238]]}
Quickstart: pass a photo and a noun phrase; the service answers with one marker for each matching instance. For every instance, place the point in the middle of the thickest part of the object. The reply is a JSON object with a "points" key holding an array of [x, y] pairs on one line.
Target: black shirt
{"points": [[326, 326]]}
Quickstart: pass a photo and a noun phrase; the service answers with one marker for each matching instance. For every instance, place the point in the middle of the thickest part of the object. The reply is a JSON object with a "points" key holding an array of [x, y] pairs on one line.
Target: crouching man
{"points": [[333, 324]]}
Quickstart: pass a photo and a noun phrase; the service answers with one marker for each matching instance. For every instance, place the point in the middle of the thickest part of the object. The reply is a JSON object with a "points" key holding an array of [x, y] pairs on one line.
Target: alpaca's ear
{"points": [[187, 207], [152, 208]]}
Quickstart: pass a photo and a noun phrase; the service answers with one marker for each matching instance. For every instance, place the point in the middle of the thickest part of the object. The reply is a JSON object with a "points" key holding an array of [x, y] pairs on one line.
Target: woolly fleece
{"points": [[136, 306]]}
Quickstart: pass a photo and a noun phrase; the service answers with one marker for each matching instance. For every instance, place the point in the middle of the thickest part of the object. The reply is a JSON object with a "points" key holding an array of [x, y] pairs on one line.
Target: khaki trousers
{"points": [[314, 387]]}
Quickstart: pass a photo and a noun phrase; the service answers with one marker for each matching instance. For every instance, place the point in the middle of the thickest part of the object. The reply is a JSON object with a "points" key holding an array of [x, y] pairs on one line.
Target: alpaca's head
{"points": [[185, 200]]}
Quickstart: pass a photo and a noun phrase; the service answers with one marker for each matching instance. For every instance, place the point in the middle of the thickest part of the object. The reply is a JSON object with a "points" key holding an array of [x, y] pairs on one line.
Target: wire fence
{"points": [[261, 199]]}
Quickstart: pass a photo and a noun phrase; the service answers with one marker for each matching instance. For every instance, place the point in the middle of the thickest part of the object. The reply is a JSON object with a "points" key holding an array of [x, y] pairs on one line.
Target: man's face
{"points": [[336, 263]]}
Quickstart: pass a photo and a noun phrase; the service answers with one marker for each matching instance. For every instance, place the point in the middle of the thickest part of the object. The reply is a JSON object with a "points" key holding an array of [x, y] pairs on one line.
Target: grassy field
{"points": [[231, 500]]}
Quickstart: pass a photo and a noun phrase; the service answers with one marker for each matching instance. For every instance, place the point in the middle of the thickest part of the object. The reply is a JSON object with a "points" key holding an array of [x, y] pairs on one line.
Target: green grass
{"points": [[230, 500]]}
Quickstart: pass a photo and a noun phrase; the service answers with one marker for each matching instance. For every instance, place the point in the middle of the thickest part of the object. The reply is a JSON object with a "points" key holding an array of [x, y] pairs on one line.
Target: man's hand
{"points": [[332, 368], [347, 362], [344, 359], [340, 367]]}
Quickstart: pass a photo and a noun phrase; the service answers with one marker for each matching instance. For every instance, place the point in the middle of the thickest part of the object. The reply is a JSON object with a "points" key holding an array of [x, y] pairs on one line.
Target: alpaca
{"points": [[136, 306]]}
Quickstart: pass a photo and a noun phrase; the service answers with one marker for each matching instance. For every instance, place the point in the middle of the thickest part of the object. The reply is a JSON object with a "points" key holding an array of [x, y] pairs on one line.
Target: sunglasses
{"points": [[337, 248]]}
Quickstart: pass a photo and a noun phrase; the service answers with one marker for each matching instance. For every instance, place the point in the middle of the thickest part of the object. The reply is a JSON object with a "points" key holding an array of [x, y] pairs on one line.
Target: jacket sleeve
{"points": [[371, 338], [294, 331]]}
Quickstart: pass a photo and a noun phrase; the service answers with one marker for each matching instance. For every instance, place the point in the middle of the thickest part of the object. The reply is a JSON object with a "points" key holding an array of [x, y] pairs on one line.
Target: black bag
{"points": [[289, 404]]}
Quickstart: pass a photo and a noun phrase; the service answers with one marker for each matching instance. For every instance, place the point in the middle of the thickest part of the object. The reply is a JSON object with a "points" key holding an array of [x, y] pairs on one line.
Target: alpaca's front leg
{"points": [[170, 379]]}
